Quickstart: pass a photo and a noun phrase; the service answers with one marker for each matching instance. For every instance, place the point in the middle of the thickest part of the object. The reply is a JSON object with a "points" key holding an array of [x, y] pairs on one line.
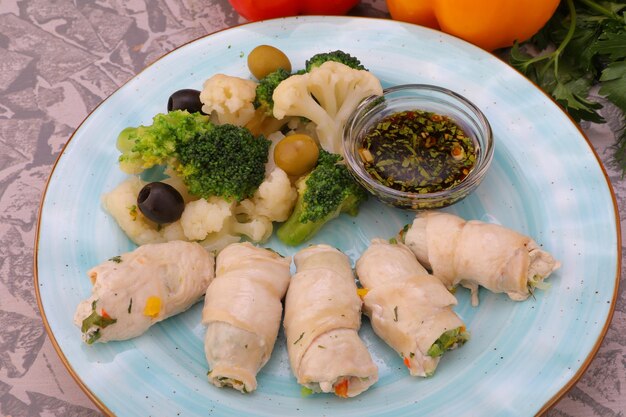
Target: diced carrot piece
{"points": [[341, 389]]}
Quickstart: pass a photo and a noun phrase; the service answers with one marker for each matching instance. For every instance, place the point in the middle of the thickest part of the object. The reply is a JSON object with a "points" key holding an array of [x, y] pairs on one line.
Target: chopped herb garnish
{"points": [[531, 291], [402, 233], [417, 151], [321, 347], [411, 355], [277, 253], [130, 306], [117, 259], [395, 313], [300, 338], [393, 241]]}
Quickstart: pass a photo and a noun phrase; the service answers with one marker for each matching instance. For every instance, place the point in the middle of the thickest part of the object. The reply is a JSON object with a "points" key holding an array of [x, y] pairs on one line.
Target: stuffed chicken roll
{"points": [[408, 308], [134, 290], [473, 253], [322, 318], [242, 312]]}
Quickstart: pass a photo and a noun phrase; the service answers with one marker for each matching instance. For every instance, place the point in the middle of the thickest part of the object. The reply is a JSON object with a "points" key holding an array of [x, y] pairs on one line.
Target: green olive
{"points": [[296, 154], [265, 59]]}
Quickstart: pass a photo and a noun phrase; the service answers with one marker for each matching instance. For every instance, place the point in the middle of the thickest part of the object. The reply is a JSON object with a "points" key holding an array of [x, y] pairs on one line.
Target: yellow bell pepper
{"points": [[153, 306], [362, 292], [489, 24]]}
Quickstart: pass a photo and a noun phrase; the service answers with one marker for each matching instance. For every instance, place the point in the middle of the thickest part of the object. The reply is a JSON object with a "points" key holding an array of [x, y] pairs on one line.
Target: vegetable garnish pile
{"points": [[243, 153], [590, 41], [212, 160]]}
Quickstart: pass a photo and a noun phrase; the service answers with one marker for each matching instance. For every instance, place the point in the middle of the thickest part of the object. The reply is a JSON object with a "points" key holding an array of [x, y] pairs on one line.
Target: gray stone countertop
{"points": [[59, 60]]}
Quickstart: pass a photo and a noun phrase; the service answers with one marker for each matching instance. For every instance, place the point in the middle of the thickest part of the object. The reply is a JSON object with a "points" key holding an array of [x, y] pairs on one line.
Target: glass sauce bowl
{"points": [[418, 97]]}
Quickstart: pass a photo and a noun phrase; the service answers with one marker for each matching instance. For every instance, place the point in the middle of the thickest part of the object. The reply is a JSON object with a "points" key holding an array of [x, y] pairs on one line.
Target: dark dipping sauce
{"points": [[417, 151]]}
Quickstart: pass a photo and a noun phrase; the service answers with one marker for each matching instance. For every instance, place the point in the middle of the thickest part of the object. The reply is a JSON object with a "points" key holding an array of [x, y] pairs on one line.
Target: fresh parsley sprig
{"points": [[586, 44]]}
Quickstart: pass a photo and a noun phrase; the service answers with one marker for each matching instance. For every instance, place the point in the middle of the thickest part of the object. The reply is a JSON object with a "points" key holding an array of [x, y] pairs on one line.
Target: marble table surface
{"points": [[60, 59]]}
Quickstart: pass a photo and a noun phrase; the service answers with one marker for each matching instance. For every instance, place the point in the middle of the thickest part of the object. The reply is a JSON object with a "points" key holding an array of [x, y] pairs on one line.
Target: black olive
{"points": [[186, 99], [160, 202]]}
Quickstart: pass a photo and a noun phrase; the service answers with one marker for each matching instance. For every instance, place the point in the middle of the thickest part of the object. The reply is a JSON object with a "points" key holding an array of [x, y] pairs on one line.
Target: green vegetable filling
{"points": [[305, 392], [92, 325], [536, 281], [231, 382], [448, 341]]}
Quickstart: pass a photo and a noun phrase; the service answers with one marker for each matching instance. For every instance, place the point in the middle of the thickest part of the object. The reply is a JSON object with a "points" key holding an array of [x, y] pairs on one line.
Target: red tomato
{"points": [[269, 9]]}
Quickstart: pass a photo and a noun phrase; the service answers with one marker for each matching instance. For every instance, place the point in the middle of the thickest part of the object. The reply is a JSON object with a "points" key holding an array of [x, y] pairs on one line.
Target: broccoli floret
{"points": [[265, 90], [337, 56], [225, 161], [146, 146], [323, 194], [212, 160]]}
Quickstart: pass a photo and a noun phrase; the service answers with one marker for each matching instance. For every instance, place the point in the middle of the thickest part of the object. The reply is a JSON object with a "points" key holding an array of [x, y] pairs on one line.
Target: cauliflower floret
{"points": [[121, 203], [275, 197], [173, 231], [302, 126], [214, 222], [215, 242], [271, 164], [258, 229], [202, 217], [177, 182], [327, 95], [228, 99]]}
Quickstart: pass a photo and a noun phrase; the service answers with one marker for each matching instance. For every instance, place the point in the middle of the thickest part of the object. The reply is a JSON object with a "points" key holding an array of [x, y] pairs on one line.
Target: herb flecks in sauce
{"points": [[417, 151]]}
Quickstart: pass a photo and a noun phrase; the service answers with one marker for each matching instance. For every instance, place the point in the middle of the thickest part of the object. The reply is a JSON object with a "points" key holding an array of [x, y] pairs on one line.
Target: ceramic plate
{"points": [[545, 181]]}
